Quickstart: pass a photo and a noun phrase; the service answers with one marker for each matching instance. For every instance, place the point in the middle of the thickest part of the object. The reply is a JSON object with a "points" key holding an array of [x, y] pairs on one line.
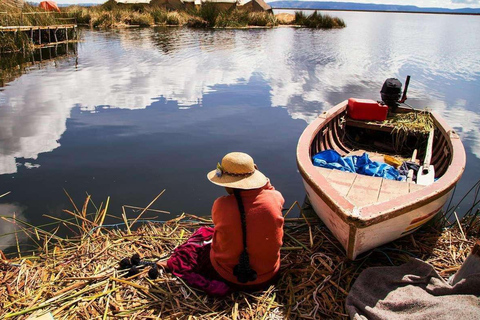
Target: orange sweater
{"points": [[263, 211]]}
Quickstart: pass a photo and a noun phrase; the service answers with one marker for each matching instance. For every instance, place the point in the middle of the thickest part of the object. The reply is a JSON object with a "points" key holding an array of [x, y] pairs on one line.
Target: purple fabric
{"points": [[188, 260]]}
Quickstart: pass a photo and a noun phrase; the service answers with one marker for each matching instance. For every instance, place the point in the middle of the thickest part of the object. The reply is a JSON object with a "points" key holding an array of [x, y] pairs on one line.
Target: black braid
{"points": [[243, 270], [243, 219]]}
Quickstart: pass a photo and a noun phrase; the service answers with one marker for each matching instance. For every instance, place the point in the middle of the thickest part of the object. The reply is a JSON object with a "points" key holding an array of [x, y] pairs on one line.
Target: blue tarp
{"points": [[331, 159]]}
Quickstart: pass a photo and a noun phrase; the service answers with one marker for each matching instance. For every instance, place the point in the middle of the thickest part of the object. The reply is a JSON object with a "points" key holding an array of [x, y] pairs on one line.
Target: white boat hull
{"points": [[357, 240]]}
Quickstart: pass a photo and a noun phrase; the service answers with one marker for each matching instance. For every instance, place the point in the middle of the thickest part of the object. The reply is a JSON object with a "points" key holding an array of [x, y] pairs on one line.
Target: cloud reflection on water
{"points": [[308, 71], [7, 228]]}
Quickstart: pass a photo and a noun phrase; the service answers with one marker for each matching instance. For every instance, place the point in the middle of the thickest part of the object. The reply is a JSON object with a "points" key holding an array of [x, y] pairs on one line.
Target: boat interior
{"points": [[353, 137]]}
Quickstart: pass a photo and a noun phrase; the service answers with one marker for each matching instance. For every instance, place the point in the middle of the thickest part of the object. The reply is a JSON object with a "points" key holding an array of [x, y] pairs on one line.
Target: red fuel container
{"points": [[365, 109]]}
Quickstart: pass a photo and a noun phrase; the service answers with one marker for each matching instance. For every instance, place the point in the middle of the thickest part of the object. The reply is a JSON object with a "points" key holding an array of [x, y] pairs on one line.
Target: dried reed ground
{"points": [[79, 278]]}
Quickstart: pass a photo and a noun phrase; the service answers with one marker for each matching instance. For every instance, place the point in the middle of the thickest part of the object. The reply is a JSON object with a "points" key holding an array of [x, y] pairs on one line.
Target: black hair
{"points": [[243, 271]]}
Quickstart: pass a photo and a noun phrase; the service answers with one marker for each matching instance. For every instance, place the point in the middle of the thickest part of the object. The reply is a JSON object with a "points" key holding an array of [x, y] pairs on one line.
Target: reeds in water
{"points": [[243, 19], [318, 20], [11, 42], [79, 277]]}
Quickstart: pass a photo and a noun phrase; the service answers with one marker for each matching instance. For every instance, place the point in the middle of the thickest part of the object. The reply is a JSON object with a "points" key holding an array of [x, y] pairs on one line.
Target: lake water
{"points": [[137, 111]]}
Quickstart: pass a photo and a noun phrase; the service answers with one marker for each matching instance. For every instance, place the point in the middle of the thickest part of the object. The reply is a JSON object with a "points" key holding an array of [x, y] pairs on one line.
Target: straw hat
{"points": [[237, 171]]}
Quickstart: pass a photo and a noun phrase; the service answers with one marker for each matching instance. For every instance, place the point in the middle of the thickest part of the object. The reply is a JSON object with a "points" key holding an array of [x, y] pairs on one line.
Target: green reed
{"points": [[318, 21]]}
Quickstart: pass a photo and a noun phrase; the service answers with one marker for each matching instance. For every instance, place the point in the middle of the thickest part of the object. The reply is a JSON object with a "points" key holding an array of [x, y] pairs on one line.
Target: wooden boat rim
{"points": [[373, 214]]}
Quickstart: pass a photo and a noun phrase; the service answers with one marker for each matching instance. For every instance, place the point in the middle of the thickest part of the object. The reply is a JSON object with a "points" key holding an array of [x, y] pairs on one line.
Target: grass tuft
{"points": [[209, 12], [232, 19], [263, 19], [318, 21]]}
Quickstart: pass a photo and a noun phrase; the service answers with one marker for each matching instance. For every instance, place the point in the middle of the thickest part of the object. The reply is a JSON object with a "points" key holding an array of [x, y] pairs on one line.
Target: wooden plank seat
{"points": [[362, 190], [375, 125]]}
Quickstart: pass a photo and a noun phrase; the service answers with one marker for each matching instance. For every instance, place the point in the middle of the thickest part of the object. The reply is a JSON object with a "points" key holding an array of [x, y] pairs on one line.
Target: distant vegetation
{"points": [[111, 15], [318, 20]]}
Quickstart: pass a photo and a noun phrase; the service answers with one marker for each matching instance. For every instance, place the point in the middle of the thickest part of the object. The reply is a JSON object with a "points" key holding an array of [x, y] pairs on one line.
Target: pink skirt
{"points": [[191, 262]]}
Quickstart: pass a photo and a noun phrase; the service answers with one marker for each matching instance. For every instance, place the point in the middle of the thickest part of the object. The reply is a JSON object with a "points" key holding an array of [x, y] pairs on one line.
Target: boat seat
{"points": [[362, 190], [374, 156]]}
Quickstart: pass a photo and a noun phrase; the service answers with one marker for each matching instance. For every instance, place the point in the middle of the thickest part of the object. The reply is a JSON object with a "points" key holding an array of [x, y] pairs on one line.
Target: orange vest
{"points": [[263, 211]]}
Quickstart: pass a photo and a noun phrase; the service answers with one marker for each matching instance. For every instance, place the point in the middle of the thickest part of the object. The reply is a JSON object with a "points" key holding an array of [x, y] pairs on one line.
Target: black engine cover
{"points": [[391, 91]]}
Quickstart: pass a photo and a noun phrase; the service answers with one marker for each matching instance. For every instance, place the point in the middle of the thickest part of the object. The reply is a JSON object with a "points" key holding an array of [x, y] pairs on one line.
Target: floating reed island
{"points": [[79, 277], [209, 15]]}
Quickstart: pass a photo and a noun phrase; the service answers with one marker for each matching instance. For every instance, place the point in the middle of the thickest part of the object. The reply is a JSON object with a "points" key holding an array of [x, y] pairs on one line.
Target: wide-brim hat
{"points": [[237, 171]]}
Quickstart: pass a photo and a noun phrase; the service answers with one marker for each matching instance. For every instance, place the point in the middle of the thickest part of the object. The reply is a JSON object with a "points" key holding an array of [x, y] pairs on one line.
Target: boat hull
{"points": [[356, 240], [360, 225]]}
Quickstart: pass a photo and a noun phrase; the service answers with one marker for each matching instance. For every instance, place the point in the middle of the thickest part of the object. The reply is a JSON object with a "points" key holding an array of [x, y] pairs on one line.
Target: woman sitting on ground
{"points": [[242, 251]]}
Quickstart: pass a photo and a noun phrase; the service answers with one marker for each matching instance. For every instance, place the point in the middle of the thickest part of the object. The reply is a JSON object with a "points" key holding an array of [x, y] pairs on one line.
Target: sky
{"points": [[451, 4]]}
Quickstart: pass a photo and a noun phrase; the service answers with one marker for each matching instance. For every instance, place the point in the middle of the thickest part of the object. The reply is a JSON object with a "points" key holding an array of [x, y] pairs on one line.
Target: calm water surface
{"points": [[141, 110]]}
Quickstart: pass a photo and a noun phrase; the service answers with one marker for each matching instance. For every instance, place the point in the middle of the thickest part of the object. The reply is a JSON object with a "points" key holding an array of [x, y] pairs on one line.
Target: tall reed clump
{"points": [[111, 15], [232, 19], [208, 12], [318, 20], [262, 19], [27, 16], [119, 17], [142, 19], [81, 14], [170, 18], [209, 15]]}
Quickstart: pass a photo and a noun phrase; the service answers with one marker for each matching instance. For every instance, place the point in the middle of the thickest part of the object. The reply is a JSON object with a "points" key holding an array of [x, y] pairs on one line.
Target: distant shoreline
{"points": [[382, 11]]}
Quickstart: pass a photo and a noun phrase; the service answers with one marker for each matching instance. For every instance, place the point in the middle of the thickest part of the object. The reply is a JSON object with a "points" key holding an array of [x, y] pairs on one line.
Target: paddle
{"points": [[426, 173]]}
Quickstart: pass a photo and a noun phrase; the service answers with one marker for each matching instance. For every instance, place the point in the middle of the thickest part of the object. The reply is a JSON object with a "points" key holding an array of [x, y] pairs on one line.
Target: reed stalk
{"points": [[79, 277]]}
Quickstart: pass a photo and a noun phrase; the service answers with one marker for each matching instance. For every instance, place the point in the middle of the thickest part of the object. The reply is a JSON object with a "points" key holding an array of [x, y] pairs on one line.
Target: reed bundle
{"points": [[420, 122], [79, 277], [409, 124]]}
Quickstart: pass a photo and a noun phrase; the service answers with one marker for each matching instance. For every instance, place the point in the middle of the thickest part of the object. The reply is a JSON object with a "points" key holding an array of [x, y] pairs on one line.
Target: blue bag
{"points": [[331, 159]]}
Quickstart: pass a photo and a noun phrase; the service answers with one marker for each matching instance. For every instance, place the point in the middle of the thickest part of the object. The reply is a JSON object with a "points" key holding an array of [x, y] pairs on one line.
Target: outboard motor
{"points": [[390, 93]]}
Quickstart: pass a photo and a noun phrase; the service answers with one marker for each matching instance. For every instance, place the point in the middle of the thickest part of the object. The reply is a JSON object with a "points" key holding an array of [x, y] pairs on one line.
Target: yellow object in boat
{"points": [[392, 161]]}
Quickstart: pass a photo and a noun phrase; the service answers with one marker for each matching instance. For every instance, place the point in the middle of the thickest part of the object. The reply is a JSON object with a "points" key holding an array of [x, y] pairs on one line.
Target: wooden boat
{"points": [[364, 212]]}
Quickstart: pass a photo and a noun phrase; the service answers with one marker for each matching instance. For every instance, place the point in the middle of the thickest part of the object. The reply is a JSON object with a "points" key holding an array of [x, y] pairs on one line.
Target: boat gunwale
{"points": [[372, 214]]}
